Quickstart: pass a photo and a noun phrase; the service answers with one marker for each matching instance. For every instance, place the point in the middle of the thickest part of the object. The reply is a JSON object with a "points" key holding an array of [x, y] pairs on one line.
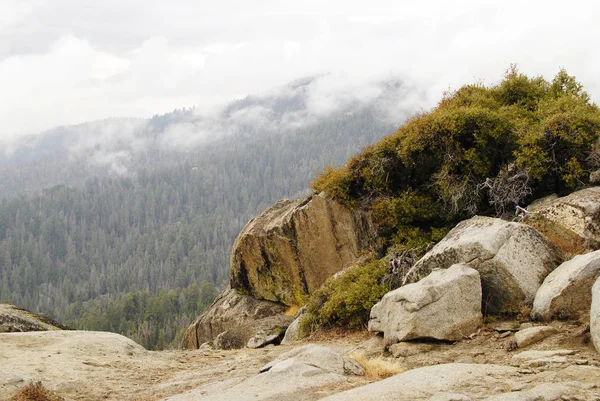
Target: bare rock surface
{"points": [[474, 382], [533, 354], [233, 319], [567, 290], [526, 337], [95, 366], [321, 357], [595, 315], [513, 260], [545, 392], [298, 374], [425, 383], [289, 250], [571, 223], [445, 305], [13, 319]]}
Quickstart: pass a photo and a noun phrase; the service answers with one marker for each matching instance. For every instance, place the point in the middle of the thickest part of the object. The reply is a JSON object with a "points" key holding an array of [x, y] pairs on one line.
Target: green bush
{"points": [[457, 160], [346, 301]]}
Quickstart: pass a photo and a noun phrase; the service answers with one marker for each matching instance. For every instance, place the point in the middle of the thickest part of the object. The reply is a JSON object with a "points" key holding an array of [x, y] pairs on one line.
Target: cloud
{"points": [[69, 61]]}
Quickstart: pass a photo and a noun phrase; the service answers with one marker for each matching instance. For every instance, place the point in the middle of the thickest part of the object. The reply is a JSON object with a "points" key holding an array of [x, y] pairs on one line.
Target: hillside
{"points": [[500, 308], [141, 253], [71, 155]]}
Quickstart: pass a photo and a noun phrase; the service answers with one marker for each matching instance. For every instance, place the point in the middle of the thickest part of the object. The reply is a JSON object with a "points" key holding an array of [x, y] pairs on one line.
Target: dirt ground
{"points": [[105, 366]]}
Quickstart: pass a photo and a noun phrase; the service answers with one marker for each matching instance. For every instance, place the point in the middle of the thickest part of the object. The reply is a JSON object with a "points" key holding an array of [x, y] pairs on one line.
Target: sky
{"points": [[69, 61]]}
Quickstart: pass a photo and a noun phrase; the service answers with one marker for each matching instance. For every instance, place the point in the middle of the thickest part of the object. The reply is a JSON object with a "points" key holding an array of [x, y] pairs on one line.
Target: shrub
{"points": [[346, 300], [482, 150], [35, 392]]}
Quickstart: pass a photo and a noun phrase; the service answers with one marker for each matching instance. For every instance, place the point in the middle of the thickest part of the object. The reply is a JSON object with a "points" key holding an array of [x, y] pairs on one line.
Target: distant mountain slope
{"points": [[120, 146], [129, 252]]}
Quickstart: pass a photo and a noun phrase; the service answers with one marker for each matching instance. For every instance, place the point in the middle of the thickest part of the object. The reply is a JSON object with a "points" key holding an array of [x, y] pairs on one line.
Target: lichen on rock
{"points": [[288, 251]]}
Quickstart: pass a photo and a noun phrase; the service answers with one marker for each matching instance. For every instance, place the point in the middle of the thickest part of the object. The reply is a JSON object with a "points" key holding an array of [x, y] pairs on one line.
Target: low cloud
{"points": [[69, 61]]}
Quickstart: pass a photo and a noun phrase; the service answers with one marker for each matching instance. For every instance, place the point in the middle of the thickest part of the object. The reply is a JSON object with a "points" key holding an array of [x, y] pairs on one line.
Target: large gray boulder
{"points": [[445, 305], [568, 289], [513, 260], [571, 223], [595, 315], [289, 250], [233, 319]]}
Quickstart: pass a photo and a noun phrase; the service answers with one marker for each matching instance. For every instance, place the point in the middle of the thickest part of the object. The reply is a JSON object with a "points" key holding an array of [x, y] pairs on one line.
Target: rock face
{"points": [[13, 319], [289, 250], [568, 289], [445, 305], [572, 223], [595, 315], [238, 318], [513, 259]]}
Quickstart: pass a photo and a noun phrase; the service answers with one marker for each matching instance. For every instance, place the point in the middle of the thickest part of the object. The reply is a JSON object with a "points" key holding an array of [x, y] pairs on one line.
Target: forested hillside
{"points": [[144, 253]]}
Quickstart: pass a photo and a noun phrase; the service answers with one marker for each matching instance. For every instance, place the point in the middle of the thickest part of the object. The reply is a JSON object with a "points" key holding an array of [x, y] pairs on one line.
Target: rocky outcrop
{"points": [[568, 289], [595, 315], [289, 250], [571, 223], [445, 305], [512, 258], [13, 319], [237, 318], [300, 374]]}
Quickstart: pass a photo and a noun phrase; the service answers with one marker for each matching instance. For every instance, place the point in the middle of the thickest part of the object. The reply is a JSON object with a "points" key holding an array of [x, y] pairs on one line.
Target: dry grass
{"points": [[292, 310], [337, 334], [35, 392], [377, 368]]}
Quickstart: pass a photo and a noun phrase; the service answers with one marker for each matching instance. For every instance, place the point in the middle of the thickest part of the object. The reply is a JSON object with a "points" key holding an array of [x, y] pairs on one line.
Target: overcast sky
{"points": [[70, 61]]}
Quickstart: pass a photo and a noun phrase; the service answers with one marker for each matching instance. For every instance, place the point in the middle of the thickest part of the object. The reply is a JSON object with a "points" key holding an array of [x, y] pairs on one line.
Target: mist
{"points": [[68, 62]]}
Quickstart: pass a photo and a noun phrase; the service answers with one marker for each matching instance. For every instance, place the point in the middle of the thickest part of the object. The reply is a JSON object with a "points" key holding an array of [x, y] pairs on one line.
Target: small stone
{"points": [[531, 355], [505, 326], [505, 334], [406, 349], [465, 359], [547, 361], [262, 340], [533, 335]]}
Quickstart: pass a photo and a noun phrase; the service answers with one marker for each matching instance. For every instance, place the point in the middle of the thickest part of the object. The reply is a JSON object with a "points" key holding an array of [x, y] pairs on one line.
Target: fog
{"points": [[66, 62]]}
